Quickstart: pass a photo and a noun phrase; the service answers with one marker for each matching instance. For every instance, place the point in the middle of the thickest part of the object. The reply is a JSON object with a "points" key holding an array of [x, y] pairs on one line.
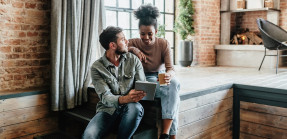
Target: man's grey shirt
{"points": [[108, 87]]}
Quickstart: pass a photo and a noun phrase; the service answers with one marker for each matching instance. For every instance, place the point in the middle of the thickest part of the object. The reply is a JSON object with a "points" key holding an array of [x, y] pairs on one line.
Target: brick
{"points": [[31, 49], [16, 11], [12, 26], [18, 49], [3, 11], [22, 34], [32, 34], [19, 77], [41, 6], [17, 4], [30, 5], [18, 83], [5, 49], [18, 19], [30, 76], [8, 77], [8, 63], [5, 2], [12, 41], [36, 21], [13, 56], [34, 13]]}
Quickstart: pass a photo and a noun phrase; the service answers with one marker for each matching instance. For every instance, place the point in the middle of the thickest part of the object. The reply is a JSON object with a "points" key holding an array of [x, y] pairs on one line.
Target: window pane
{"points": [[136, 3], [148, 1], [135, 22], [168, 22], [111, 17], [124, 4], [169, 37], [135, 34], [159, 5], [169, 6], [111, 3], [124, 20], [160, 19], [127, 34]]}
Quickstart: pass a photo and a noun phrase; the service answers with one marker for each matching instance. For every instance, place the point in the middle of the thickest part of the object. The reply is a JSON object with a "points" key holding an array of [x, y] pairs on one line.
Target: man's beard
{"points": [[119, 52]]}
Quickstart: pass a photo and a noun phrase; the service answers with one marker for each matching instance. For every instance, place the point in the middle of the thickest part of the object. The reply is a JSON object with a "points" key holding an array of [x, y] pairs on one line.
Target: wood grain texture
{"points": [[23, 102], [26, 128], [264, 108], [205, 99], [262, 130], [217, 132], [23, 115], [202, 125], [248, 136], [275, 121], [202, 112]]}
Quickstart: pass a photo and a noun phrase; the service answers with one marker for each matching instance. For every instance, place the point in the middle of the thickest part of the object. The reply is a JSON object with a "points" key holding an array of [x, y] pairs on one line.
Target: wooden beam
{"points": [[26, 128], [262, 130], [275, 121], [205, 99], [263, 108], [196, 114], [197, 127], [23, 102]]}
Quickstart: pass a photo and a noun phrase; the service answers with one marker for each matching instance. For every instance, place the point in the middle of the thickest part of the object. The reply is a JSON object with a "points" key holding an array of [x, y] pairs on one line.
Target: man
{"points": [[114, 76]]}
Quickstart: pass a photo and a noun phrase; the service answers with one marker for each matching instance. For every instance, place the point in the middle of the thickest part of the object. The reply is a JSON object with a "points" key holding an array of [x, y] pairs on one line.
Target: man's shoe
{"points": [[164, 136]]}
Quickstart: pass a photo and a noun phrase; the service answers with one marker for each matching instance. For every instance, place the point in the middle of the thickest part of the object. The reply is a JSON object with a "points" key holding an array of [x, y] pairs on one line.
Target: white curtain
{"points": [[75, 28]]}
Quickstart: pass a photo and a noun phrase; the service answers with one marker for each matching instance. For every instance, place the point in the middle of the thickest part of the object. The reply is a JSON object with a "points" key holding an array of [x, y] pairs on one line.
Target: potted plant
{"points": [[184, 26], [161, 31]]}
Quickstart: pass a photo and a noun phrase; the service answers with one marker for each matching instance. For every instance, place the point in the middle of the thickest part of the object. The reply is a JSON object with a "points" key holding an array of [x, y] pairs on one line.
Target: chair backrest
{"points": [[272, 35]]}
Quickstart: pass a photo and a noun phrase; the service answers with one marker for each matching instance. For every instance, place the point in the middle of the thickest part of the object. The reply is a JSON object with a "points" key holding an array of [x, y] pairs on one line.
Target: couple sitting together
{"points": [[115, 73]]}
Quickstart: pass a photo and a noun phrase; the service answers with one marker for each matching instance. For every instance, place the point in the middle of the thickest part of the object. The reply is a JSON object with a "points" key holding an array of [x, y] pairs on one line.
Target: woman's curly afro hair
{"points": [[147, 15]]}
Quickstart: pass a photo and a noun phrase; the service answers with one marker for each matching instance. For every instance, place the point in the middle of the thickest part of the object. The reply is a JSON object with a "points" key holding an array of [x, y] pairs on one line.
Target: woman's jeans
{"points": [[127, 118], [169, 96]]}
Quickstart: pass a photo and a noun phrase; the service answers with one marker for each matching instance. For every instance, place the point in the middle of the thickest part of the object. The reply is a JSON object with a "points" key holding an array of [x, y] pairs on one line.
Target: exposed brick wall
{"points": [[283, 14], [207, 28], [246, 20], [24, 44]]}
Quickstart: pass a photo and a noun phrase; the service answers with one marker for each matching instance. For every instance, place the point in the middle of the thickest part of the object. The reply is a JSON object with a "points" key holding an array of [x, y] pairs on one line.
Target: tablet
{"points": [[148, 88]]}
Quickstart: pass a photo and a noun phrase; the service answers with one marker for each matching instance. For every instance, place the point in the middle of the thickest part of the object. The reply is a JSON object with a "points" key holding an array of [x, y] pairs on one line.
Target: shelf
{"points": [[252, 10], [240, 47]]}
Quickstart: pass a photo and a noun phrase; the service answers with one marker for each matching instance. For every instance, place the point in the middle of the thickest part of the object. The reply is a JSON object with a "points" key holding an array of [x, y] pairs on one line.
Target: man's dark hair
{"points": [[109, 35], [147, 15]]}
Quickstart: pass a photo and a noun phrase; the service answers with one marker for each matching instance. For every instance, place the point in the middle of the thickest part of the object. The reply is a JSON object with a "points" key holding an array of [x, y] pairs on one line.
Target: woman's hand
{"points": [[141, 56], [167, 78]]}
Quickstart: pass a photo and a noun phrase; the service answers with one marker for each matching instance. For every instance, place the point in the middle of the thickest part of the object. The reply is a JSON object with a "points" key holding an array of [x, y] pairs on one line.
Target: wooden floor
{"points": [[194, 79]]}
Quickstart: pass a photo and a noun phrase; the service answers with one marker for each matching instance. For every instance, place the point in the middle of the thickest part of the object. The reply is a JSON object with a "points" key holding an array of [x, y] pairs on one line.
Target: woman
{"points": [[155, 54]]}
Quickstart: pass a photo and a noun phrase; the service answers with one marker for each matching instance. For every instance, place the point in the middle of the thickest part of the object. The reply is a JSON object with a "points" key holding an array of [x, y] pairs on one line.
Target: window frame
{"points": [[118, 9]]}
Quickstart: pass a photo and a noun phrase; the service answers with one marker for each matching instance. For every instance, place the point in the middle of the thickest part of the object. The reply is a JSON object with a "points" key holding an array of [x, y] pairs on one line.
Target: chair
{"points": [[274, 38]]}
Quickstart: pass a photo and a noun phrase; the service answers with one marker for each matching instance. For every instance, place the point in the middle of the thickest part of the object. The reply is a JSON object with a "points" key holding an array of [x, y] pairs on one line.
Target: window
{"points": [[120, 13]]}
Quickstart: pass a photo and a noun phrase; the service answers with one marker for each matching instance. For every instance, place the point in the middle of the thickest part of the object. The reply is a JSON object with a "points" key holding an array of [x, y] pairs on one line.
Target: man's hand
{"points": [[141, 56], [133, 96], [136, 95]]}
